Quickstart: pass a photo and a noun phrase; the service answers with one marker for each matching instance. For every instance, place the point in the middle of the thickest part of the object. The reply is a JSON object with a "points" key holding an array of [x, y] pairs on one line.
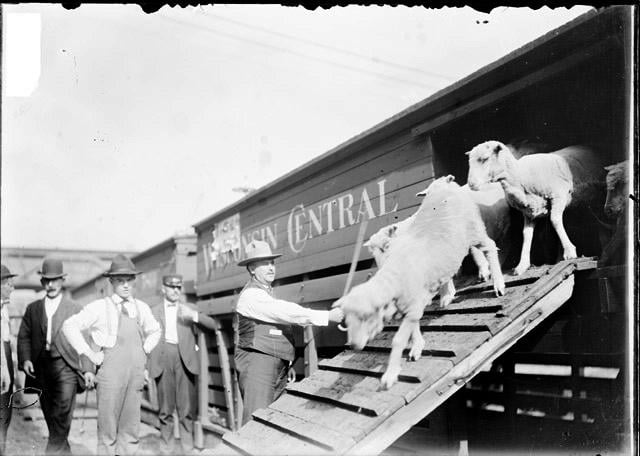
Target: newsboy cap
{"points": [[5, 273], [256, 251], [52, 269], [172, 280], [121, 266]]}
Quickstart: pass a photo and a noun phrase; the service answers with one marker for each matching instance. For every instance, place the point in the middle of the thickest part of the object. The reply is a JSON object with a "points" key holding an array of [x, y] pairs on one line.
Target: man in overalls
{"points": [[264, 340], [125, 331]]}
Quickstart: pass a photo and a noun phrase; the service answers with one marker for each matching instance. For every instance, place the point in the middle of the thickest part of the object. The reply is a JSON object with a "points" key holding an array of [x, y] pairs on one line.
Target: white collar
{"points": [[55, 301]]}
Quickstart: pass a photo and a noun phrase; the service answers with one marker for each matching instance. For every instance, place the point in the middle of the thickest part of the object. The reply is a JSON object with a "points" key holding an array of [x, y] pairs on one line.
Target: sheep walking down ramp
{"points": [[495, 214], [425, 256], [538, 185]]}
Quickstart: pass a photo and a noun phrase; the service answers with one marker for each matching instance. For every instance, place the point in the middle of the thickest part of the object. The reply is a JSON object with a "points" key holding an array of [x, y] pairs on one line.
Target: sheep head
{"points": [[617, 189], [362, 318], [486, 163]]}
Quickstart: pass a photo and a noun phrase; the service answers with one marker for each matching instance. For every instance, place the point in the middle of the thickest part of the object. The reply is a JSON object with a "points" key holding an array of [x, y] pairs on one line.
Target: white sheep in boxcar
{"points": [[615, 207], [537, 185], [421, 263]]}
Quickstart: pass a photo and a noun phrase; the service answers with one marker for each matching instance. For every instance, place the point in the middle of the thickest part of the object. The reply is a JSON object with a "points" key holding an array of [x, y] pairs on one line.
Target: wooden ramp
{"points": [[340, 409]]}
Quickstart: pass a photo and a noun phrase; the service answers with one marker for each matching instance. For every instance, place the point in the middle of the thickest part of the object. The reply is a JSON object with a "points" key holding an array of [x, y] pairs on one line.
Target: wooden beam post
{"points": [[225, 367], [310, 353], [203, 391]]}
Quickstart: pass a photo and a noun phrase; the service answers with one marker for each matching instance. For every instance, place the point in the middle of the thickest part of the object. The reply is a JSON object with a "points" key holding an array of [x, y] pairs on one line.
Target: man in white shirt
{"points": [[125, 332], [264, 340], [174, 363], [47, 359], [6, 360]]}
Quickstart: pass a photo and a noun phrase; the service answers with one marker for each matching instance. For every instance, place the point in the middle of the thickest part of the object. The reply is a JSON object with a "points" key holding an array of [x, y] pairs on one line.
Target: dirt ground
{"points": [[27, 435]]}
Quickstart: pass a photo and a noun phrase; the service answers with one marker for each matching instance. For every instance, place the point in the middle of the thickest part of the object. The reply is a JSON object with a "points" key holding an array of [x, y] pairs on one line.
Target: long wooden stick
{"points": [[356, 255]]}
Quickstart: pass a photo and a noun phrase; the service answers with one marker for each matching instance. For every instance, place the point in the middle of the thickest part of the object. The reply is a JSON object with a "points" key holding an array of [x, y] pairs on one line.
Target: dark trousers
{"points": [[262, 380], [58, 400], [176, 390], [5, 406]]}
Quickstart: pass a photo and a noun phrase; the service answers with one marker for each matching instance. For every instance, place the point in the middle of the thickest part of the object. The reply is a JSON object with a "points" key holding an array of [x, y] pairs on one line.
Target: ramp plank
{"points": [[426, 369], [354, 391], [256, 438], [323, 437], [465, 322], [327, 416], [437, 343]]}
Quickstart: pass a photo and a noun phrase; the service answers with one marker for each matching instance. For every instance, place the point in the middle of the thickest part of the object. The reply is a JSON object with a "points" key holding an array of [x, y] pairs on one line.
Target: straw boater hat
{"points": [[256, 251], [52, 269], [5, 273], [121, 266]]}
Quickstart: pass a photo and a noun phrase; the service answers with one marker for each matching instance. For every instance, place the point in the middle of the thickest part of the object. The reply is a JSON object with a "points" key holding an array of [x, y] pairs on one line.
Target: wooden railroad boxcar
{"points": [[560, 387]]}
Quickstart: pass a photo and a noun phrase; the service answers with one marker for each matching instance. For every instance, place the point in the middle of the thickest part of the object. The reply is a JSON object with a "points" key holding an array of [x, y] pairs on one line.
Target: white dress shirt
{"points": [[170, 322], [256, 303], [101, 318], [6, 329], [50, 307]]}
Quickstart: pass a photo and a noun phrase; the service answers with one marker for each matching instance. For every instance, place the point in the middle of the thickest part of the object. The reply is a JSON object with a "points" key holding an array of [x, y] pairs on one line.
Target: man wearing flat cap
{"points": [[6, 362], [48, 360], [264, 340], [125, 332], [174, 363]]}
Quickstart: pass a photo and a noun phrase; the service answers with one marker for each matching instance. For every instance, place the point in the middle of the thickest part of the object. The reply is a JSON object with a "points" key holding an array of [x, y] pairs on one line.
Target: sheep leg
{"points": [[447, 291], [527, 237], [483, 266], [400, 340], [417, 344], [557, 209], [491, 251]]}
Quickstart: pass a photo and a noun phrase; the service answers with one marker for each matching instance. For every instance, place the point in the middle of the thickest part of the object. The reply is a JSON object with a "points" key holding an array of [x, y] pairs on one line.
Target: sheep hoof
{"points": [[445, 301], [570, 253], [389, 378], [499, 289], [520, 269], [484, 275]]}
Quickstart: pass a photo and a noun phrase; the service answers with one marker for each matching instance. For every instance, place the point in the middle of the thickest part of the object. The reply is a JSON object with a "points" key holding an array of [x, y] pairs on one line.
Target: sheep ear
{"points": [[367, 243], [450, 178], [336, 304], [609, 168], [422, 193], [468, 153], [497, 149]]}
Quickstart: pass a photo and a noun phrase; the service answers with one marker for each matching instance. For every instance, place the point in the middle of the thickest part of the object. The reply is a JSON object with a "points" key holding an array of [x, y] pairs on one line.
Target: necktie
{"points": [[123, 307]]}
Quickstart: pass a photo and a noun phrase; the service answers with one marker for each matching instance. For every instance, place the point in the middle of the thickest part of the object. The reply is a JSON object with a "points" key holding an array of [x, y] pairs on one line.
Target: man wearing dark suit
{"points": [[49, 361], [174, 362], [6, 361]]}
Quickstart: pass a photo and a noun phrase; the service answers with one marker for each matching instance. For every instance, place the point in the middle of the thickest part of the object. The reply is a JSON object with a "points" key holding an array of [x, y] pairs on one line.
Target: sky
{"points": [[121, 129]]}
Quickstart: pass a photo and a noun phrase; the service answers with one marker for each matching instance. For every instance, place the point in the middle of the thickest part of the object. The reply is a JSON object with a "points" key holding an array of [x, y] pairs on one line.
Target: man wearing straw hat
{"points": [[264, 342], [48, 360], [125, 332], [5, 356]]}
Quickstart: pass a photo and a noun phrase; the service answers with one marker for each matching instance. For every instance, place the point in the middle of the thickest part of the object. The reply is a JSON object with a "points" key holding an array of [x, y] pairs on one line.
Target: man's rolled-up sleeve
{"points": [[258, 304], [74, 325], [151, 329]]}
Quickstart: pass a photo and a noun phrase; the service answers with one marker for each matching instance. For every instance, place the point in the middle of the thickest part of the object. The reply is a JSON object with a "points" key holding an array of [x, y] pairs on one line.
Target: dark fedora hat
{"points": [[5, 273], [256, 251], [121, 265], [52, 269]]}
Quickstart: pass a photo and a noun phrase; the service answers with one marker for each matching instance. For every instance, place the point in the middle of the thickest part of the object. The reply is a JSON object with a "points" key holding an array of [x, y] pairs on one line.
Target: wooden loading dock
{"points": [[340, 409]]}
